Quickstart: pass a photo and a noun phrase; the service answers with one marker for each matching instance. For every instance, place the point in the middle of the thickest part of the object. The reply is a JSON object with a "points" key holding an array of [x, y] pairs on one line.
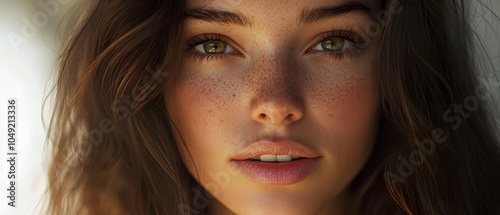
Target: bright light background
{"points": [[28, 47]]}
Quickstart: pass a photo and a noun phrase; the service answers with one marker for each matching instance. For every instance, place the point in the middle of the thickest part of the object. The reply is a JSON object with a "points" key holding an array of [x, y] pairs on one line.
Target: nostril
{"points": [[263, 116]]}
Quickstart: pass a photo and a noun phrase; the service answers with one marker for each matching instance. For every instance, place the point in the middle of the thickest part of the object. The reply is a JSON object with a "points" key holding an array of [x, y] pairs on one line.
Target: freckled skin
{"points": [[334, 102]]}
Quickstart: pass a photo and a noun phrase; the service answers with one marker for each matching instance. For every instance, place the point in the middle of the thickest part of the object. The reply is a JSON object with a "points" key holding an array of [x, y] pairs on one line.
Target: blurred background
{"points": [[29, 44], [30, 41]]}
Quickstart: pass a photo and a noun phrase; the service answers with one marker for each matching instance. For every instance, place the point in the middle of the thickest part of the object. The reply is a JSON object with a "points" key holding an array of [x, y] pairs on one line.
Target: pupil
{"points": [[333, 44], [214, 47]]}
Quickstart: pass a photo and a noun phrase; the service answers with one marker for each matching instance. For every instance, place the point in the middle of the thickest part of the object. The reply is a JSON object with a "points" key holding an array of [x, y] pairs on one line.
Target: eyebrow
{"points": [[307, 16], [217, 16], [322, 13]]}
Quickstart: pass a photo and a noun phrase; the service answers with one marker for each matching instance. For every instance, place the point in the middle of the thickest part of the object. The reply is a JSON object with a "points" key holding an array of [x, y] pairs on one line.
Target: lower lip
{"points": [[277, 173]]}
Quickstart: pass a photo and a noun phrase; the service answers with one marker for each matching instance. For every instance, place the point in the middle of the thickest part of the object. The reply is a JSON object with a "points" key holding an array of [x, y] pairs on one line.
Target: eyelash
{"points": [[355, 39], [347, 35], [197, 40]]}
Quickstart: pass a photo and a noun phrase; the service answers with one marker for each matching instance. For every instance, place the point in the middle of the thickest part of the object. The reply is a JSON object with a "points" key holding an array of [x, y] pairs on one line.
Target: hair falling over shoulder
{"points": [[111, 141]]}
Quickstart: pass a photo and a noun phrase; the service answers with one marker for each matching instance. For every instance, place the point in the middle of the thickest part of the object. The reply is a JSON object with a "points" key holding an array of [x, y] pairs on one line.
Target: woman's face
{"points": [[295, 73]]}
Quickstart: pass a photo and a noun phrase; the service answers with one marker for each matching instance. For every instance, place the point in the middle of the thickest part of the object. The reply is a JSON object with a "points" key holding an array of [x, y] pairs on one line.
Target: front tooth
{"points": [[268, 158], [283, 158]]}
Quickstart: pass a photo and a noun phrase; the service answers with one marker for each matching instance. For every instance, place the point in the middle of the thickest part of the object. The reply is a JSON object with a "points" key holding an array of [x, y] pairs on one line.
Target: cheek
{"points": [[199, 107], [344, 106], [347, 100], [353, 118]]}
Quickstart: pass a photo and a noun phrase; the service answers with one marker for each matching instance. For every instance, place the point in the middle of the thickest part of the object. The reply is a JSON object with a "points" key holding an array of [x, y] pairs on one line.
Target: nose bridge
{"points": [[278, 77], [276, 99]]}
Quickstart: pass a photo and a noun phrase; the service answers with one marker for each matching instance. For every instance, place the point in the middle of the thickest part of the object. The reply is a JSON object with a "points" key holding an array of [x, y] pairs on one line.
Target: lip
{"points": [[276, 147], [277, 173]]}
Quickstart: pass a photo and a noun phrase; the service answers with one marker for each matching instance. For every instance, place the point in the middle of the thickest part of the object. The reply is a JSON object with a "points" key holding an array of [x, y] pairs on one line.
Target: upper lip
{"points": [[276, 147]]}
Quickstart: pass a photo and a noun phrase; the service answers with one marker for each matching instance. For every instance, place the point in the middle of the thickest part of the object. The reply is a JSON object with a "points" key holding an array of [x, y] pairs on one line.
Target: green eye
{"points": [[334, 44], [214, 47]]}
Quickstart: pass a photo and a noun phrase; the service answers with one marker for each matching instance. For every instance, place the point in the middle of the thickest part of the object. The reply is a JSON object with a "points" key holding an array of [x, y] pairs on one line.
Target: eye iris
{"points": [[333, 44], [214, 47]]}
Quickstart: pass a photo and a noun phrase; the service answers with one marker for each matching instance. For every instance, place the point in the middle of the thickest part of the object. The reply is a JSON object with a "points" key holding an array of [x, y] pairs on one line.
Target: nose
{"points": [[272, 112], [278, 101]]}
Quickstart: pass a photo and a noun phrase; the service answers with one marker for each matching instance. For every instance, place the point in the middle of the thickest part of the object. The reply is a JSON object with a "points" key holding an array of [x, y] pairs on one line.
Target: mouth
{"points": [[275, 158], [281, 150], [277, 162]]}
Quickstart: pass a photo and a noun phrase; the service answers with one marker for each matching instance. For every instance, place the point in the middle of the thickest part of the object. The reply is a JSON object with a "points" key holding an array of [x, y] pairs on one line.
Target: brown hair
{"points": [[112, 144]]}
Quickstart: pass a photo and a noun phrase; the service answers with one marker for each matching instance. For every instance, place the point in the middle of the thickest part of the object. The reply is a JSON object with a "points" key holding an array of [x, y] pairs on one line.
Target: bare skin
{"points": [[319, 91]]}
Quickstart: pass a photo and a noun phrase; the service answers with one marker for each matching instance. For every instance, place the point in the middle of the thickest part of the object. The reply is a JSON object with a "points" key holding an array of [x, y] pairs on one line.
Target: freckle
{"points": [[234, 95]]}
